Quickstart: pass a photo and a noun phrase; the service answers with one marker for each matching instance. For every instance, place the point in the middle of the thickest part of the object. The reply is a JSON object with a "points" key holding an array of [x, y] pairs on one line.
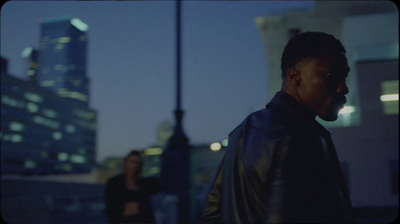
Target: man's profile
{"points": [[280, 165]]}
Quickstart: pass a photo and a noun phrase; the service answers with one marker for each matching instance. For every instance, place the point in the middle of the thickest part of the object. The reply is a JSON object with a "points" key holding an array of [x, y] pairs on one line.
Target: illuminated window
{"points": [[153, 151], [63, 40], [33, 97], [84, 114], [69, 128], [46, 83], [32, 107], [16, 126], [77, 23], [16, 138], [390, 96], [78, 159], [11, 102], [31, 72], [50, 113], [62, 156], [74, 95], [57, 135], [27, 52], [30, 164], [46, 122]]}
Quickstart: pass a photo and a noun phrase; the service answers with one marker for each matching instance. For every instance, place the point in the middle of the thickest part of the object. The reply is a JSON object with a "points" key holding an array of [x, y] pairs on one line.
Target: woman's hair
{"points": [[308, 45], [134, 153]]}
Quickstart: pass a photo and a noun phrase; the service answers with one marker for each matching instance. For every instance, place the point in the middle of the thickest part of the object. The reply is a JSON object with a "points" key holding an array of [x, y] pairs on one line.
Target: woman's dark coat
{"points": [[115, 197]]}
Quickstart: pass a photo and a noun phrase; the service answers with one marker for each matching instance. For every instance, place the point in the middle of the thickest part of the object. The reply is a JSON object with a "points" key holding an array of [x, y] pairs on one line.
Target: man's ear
{"points": [[293, 76]]}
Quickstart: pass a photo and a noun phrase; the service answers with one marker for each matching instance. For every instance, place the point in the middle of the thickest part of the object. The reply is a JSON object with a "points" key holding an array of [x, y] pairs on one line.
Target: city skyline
{"points": [[131, 64]]}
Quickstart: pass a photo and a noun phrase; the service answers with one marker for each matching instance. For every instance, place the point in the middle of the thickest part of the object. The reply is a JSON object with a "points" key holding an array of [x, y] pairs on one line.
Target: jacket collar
{"points": [[287, 102]]}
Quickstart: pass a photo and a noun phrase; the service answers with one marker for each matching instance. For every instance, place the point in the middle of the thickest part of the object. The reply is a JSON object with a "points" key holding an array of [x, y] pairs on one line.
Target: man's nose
{"points": [[342, 88]]}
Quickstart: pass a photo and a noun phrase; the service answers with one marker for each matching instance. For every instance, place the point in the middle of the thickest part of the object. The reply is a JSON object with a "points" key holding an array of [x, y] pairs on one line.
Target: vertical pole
{"points": [[178, 55], [175, 172]]}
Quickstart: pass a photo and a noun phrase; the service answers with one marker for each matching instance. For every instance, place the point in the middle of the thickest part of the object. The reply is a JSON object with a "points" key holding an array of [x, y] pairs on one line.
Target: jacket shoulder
{"points": [[273, 122]]}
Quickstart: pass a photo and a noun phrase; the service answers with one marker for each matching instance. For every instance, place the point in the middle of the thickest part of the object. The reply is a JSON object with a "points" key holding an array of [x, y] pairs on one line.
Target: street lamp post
{"points": [[175, 172]]}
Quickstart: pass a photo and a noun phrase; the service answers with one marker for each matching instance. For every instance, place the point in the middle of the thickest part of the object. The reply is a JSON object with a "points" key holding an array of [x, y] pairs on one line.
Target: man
{"points": [[280, 165]]}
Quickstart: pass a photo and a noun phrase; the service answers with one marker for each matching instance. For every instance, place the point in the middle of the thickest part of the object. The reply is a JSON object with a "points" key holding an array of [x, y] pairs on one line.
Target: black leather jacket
{"points": [[280, 167]]}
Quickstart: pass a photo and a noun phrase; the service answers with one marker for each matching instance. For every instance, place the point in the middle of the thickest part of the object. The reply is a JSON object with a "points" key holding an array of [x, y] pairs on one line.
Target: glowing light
{"points": [[29, 164], [32, 107], [78, 159], [389, 97], [224, 142], [154, 170], [16, 138], [57, 135], [16, 126], [79, 24], [50, 113], [33, 97], [47, 83], [62, 156], [70, 128], [347, 110], [64, 40], [216, 146], [26, 52], [153, 151]]}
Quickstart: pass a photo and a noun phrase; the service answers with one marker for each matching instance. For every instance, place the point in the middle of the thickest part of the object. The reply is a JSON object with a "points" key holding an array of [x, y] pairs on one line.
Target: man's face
{"points": [[323, 84]]}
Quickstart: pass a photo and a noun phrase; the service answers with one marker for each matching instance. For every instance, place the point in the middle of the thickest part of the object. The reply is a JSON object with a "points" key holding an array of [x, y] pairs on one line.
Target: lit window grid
{"points": [[16, 110]]}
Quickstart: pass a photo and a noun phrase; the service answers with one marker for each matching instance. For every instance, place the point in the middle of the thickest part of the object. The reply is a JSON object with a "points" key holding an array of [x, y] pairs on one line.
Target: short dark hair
{"points": [[308, 45]]}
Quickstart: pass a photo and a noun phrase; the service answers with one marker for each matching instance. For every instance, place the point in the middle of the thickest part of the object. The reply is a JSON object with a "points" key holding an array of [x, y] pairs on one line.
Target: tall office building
{"points": [[63, 57], [47, 125], [43, 133]]}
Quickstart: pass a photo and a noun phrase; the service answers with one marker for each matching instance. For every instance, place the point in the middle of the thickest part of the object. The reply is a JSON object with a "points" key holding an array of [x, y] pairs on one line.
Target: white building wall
{"points": [[370, 38]]}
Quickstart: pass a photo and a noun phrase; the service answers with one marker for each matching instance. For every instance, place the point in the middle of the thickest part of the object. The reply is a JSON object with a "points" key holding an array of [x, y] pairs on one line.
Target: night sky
{"points": [[131, 63]]}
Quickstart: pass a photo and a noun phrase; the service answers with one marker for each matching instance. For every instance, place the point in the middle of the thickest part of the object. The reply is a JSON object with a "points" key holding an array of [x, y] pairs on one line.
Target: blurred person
{"points": [[128, 195], [280, 165]]}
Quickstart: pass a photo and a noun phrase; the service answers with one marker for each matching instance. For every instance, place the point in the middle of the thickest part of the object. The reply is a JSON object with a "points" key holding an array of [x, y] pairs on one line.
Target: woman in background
{"points": [[128, 194]]}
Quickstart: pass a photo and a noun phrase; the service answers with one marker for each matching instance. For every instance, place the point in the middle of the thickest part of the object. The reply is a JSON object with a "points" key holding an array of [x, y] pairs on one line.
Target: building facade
{"points": [[42, 133], [47, 126], [63, 57], [366, 133]]}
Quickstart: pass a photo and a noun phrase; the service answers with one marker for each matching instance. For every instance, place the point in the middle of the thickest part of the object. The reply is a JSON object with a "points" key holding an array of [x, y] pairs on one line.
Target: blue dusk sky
{"points": [[131, 63]]}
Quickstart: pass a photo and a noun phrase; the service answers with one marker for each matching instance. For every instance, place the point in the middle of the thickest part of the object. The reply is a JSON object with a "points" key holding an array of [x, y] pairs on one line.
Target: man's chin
{"points": [[330, 116]]}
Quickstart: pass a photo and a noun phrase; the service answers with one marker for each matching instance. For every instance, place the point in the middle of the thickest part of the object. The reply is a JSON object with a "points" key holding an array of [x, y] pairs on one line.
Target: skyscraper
{"points": [[47, 125], [63, 57]]}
